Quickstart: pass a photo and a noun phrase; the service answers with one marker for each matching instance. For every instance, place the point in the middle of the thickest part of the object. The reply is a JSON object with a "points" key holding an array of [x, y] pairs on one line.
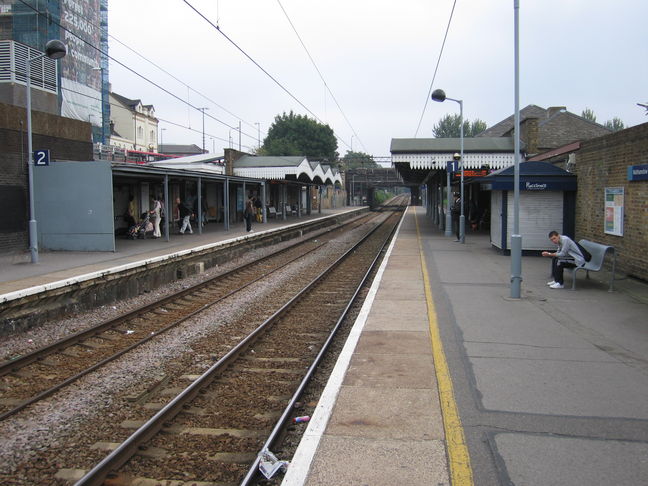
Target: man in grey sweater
{"points": [[568, 255]]}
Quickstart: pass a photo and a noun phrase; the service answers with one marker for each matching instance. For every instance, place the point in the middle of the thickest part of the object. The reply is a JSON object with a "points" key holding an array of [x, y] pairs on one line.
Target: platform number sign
{"points": [[41, 157]]}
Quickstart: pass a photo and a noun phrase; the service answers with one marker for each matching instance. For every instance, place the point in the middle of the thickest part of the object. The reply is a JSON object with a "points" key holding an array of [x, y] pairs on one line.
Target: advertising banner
{"points": [[80, 76]]}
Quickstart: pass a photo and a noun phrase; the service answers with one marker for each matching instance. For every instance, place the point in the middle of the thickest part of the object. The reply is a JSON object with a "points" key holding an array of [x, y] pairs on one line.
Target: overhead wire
{"points": [[320, 73], [240, 49], [180, 81], [161, 119], [427, 98], [50, 19]]}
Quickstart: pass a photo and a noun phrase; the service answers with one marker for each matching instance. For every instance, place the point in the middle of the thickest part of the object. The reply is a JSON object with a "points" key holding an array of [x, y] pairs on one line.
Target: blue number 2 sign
{"points": [[41, 157]]}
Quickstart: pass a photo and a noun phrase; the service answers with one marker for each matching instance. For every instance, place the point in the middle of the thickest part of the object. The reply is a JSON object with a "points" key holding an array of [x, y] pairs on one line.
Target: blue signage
{"points": [[41, 157], [452, 166], [638, 172]]}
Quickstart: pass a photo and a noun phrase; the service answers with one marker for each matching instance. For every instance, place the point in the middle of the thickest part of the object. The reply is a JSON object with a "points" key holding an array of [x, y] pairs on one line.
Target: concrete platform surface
{"points": [[550, 389]]}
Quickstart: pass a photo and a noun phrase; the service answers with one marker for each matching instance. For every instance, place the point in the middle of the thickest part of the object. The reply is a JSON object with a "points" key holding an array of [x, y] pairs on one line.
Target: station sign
{"points": [[638, 172], [452, 166], [41, 157]]}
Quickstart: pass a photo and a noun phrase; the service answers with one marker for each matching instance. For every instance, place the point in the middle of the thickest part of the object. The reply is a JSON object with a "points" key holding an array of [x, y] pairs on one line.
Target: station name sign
{"points": [[638, 172]]}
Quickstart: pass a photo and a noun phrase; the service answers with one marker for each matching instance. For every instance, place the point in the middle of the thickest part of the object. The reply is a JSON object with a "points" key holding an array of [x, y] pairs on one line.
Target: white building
{"points": [[133, 125]]}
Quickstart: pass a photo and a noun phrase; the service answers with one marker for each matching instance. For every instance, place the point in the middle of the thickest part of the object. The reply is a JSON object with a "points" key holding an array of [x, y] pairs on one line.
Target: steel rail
{"points": [[13, 365], [108, 359], [283, 419], [120, 455]]}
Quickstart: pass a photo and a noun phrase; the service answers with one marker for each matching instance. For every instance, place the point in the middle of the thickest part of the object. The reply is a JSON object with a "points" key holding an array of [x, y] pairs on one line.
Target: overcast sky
{"points": [[377, 58]]}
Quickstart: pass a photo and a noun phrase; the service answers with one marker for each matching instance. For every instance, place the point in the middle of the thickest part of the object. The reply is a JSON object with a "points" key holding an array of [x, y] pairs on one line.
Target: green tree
{"points": [[589, 115], [292, 134], [450, 127], [615, 124], [355, 160]]}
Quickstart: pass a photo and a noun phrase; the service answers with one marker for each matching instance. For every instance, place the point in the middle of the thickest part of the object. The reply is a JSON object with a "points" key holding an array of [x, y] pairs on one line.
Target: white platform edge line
{"points": [[300, 464], [17, 294]]}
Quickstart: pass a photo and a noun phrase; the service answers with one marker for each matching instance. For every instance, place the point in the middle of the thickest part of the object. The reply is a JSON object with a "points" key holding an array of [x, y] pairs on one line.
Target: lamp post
{"points": [[54, 49], [440, 96], [203, 126], [516, 237]]}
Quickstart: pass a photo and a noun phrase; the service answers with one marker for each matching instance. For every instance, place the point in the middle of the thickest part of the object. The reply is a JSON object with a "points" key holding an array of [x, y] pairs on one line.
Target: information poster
{"points": [[614, 211]]}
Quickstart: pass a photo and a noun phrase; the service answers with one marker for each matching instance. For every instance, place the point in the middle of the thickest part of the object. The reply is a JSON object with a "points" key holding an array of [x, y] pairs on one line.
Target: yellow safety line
{"points": [[458, 457]]}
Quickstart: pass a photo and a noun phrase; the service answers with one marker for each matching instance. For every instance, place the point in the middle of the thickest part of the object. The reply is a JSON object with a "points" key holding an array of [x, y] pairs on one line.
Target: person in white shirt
{"points": [[568, 255]]}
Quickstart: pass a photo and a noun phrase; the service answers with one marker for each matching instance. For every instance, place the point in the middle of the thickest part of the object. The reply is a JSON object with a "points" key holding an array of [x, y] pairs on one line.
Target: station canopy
{"points": [[291, 168], [416, 158], [286, 167]]}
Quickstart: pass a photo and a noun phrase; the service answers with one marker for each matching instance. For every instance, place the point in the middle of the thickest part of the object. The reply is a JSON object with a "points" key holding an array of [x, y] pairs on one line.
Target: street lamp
{"points": [[440, 96], [54, 49], [516, 237]]}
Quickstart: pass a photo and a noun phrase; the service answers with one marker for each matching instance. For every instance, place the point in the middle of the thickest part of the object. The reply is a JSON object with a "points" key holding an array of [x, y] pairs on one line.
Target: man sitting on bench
{"points": [[568, 255]]}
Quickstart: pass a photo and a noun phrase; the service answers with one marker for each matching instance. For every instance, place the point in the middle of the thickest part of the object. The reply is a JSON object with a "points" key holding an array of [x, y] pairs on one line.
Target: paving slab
{"points": [[352, 461], [390, 371], [538, 460], [386, 413]]}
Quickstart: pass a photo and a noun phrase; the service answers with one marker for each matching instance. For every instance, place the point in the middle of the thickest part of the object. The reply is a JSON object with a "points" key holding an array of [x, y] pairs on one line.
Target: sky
{"points": [[377, 58]]}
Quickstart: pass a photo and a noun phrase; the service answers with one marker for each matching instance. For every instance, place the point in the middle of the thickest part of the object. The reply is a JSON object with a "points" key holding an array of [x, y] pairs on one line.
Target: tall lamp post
{"points": [[516, 237], [440, 96], [54, 49]]}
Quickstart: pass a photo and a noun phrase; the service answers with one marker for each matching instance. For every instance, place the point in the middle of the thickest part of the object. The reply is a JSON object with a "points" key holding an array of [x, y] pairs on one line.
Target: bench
{"points": [[272, 212], [598, 253]]}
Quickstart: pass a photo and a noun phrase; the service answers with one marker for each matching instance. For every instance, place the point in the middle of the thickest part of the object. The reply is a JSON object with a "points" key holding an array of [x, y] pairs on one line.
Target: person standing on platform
{"points": [[568, 255], [131, 212], [248, 213], [156, 212], [455, 210], [258, 206], [185, 214]]}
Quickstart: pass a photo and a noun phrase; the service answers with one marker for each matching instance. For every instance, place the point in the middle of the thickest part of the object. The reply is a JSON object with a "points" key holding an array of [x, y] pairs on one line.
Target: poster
{"points": [[80, 73], [613, 224]]}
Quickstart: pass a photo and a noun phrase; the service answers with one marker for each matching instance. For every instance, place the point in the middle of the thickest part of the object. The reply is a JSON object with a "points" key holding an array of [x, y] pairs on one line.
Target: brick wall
{"points": [[66, 139], [602, 162]]}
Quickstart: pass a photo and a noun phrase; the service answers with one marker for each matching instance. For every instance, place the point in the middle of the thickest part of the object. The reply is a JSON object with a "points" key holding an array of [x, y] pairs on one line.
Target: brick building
{"points": [[67, 139], [543, 129], [603, 163]]}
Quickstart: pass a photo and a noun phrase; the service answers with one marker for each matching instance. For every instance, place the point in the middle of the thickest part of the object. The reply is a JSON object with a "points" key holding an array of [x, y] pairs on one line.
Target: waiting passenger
{"points": [[568, 255]]}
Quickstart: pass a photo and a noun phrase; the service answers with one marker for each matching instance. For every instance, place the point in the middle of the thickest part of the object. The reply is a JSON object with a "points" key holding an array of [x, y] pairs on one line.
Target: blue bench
{"points": [[598, 253]]}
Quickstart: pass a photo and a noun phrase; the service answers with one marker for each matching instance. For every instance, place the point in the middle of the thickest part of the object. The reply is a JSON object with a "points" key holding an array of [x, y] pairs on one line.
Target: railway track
{"points": [[213, 430], [34, 376]]}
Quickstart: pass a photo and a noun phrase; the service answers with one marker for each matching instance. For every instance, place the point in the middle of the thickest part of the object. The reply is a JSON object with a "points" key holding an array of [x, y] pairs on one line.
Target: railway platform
{"points": [[446, 380], [17, 273]]}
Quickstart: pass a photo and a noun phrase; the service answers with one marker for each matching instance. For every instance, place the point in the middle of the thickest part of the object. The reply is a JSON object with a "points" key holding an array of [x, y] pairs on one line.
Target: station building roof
{"points": [[286, 167], [415, 158], [201, 162], [293, 168]]}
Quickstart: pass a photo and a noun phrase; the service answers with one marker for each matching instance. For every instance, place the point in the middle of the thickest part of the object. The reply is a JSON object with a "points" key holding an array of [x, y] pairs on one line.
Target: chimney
{"points": [[231, 156], [529, 132], [552, 110]]}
